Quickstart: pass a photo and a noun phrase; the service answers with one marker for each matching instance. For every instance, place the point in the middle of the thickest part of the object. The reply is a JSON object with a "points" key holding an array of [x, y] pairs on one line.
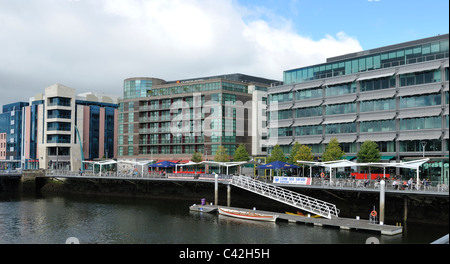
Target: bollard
{"points": [[382, 191]]}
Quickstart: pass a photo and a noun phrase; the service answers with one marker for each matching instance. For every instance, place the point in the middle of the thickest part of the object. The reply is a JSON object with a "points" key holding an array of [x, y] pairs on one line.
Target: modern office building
{"points": [[57, 121], [11, 126], [173, 119], [397, 96], [2, 148]]}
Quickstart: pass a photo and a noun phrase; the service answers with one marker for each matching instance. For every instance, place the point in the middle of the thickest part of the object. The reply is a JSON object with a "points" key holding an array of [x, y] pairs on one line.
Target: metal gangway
{"points": [[276, 193]]}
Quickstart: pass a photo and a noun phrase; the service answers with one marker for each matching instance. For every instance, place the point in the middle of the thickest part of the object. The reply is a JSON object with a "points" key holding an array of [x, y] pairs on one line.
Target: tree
{"points": [[241, 154], [276, 155], [304, 153], [221, 154], [369, 152], [196, 157], [333, 151], [294, 152]]}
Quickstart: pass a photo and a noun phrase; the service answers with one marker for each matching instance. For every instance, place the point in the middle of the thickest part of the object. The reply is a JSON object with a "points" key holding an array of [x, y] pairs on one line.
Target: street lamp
{"points": [[424, 143]]}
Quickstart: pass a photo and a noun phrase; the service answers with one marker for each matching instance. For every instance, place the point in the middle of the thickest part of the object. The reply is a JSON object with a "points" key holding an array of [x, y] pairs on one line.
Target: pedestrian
{"points": [[395, 184], [410, 182]]}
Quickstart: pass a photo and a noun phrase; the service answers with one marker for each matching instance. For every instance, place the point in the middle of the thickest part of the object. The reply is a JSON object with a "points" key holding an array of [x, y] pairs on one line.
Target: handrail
{"points": [[286, 196]]}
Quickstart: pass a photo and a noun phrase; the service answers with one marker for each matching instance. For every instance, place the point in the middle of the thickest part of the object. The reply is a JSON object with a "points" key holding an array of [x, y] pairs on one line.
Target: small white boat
{"points": [[248, 215], [202, 208]]}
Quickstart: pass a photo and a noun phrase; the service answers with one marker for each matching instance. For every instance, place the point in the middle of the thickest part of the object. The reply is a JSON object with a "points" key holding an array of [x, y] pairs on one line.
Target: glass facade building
{"points": [[396, 96], [174, 119], [11, 125]]}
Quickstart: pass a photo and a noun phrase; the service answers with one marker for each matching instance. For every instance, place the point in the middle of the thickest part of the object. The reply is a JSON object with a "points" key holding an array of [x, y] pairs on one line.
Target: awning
{"points": [[275, 106], [307, 85], [376, 75], [308, 103], [341, 79], [377, 137], [419, 67], [282, 141], [280, 89], [387, 157], [420, 112], [341, 138], [376, 115], [277, 165], [309, 139], [377, 94], [280, 123], [419, 89], [340, 99], [308, 121], [419, 135], [339, 119]]}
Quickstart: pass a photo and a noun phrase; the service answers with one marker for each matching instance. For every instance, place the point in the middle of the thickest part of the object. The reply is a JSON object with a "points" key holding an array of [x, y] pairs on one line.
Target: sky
{"points": [[93, 45]]}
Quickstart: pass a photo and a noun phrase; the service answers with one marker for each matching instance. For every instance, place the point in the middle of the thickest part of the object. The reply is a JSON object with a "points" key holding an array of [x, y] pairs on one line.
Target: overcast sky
{"points": [[93, 45]]}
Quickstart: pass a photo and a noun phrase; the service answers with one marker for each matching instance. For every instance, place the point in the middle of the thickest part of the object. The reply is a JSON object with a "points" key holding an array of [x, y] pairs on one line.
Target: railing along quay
{"points": [[391, 185], [133, 175], [317, 183]]}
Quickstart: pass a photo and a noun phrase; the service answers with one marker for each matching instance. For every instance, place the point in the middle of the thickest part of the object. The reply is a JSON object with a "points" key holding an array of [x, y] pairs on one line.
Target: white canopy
{"points": [[414, 164], [225, 164], [190, 163], [108, 162]]}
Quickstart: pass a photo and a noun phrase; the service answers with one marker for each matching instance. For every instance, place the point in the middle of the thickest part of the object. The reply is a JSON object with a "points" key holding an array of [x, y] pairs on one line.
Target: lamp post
{"points": [[424, 143]]}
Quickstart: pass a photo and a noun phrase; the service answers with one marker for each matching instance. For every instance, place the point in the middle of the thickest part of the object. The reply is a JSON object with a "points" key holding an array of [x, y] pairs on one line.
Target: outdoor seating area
{"points": [[146, 170]]}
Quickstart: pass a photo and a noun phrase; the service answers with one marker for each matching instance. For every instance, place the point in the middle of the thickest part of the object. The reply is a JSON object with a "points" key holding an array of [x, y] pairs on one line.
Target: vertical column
{"points": [[216, 189], [229, 195], [382, 194], [405, 209], [101, 133]]}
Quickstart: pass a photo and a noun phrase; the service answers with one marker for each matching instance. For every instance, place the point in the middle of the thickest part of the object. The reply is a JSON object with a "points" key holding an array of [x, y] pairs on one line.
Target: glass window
{"points": [[340, 109], [420, 123], [340, 128], [308, 112], [308, 130], [428, 51], [420, 101]]}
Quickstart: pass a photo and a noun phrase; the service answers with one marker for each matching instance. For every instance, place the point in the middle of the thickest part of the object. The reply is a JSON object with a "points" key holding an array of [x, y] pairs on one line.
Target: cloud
{"points": [[94, 45]]}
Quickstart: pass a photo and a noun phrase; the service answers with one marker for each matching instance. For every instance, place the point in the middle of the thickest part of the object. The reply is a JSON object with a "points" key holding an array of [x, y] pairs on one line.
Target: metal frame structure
{"points": [[288, 197], [413, 164]]}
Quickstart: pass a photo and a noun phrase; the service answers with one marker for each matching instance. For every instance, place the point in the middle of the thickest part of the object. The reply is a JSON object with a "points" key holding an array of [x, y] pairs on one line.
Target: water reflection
{"points": [[94, 219]]}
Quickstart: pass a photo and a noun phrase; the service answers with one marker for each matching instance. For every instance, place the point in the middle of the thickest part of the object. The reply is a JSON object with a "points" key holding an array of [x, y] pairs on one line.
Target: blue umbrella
{"points": [[163, 164], [277, 165]]}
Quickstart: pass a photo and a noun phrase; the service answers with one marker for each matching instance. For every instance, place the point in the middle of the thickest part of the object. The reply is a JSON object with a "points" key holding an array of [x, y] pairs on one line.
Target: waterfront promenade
{"points": [[431, 188]]}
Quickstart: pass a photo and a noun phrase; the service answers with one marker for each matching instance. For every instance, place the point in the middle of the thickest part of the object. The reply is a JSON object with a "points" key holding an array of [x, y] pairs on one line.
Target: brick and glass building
{"points": [[397, 96], [171, 120]]}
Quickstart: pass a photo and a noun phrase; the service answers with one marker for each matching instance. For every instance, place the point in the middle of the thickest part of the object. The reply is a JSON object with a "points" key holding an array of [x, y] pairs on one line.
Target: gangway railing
{"points": [[279, 194]]}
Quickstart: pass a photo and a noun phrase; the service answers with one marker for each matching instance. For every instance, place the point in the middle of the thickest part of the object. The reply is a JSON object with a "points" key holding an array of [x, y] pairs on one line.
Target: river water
{"points": [[132, 220]]}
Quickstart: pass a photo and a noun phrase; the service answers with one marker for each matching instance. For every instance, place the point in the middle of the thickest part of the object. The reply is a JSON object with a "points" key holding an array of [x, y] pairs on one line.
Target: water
{"points": [[127, 220]]}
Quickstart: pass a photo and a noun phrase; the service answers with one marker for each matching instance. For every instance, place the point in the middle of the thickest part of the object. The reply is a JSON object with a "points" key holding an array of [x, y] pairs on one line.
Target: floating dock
{"points": [[342, 223]]}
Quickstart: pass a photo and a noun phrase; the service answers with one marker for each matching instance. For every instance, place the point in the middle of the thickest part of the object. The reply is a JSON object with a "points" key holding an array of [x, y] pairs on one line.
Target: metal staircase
{"points": [[300, 201]]}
